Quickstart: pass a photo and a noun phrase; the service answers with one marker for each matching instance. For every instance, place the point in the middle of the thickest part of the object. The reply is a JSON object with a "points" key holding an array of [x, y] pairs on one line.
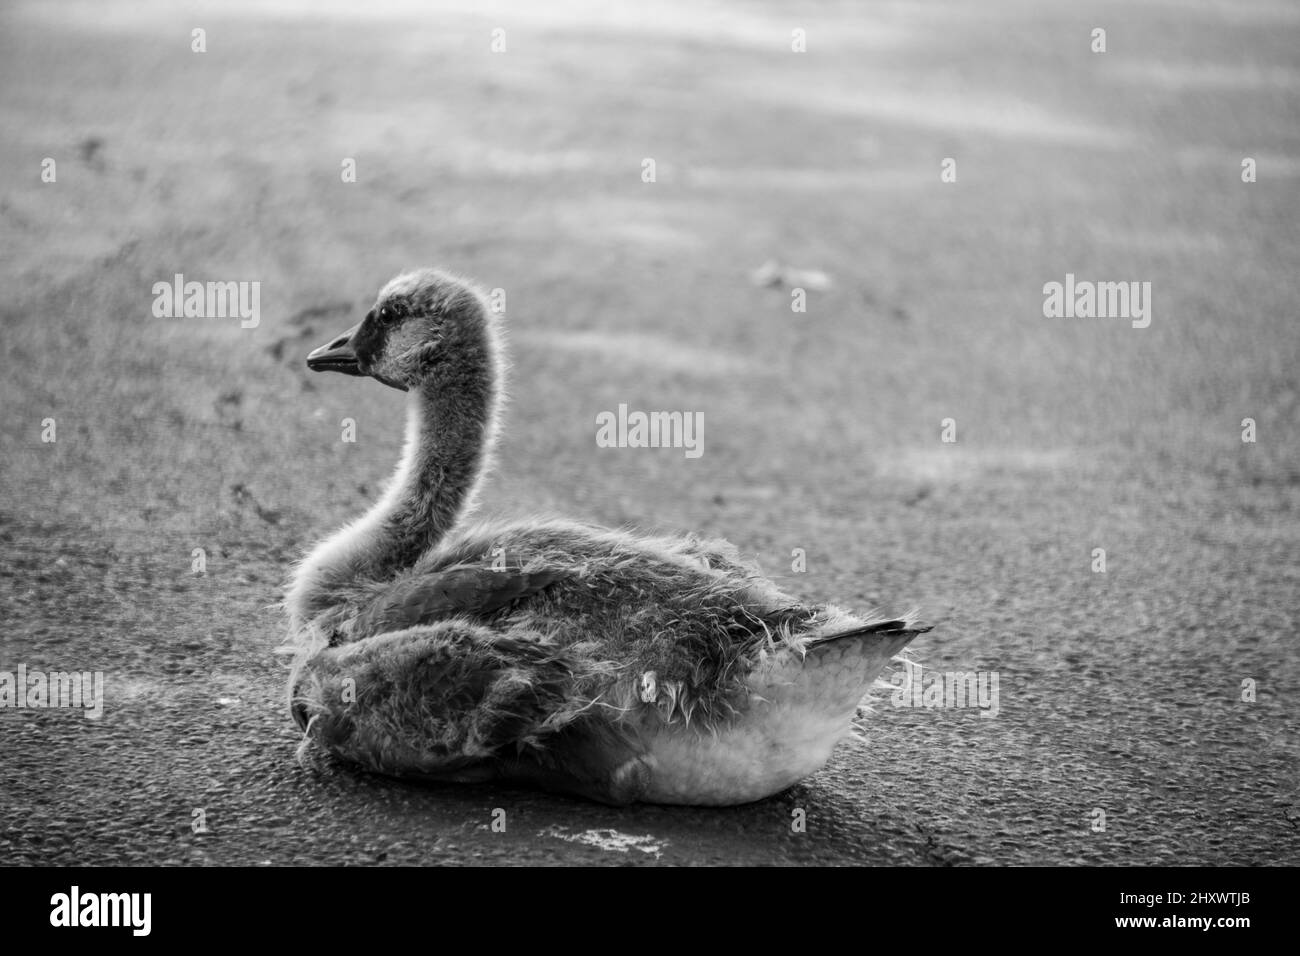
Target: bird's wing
{"points": [[465, 590]]}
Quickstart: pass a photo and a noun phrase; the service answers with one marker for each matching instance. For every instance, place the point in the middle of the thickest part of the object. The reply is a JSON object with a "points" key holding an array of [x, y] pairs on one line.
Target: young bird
{"points": [[616, 666]]}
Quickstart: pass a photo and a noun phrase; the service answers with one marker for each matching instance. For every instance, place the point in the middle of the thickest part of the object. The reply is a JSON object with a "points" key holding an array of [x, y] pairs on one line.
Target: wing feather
{"points": [[469, 591]]}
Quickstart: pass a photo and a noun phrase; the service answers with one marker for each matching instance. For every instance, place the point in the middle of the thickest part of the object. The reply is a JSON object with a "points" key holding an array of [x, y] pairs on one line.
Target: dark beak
{"points": [[339, 356]]}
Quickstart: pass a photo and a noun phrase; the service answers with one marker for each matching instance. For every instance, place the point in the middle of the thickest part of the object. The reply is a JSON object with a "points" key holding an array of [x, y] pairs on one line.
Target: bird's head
{"points": [[421, 321]]}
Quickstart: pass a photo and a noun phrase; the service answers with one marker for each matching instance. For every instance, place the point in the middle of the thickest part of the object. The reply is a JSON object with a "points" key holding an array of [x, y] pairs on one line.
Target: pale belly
{"points": [[798, 709], [772, 748]]}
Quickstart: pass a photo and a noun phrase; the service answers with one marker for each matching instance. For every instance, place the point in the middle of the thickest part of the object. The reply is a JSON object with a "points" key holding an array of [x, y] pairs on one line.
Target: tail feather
{"points": [[896, 627]]}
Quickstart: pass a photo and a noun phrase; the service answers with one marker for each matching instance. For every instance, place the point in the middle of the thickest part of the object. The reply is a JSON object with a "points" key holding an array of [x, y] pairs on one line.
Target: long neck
{"points": [[451, 425]]}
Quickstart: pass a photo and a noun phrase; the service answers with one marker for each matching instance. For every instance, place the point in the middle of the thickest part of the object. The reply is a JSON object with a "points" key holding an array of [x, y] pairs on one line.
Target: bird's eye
{"points": [[385, 314]]}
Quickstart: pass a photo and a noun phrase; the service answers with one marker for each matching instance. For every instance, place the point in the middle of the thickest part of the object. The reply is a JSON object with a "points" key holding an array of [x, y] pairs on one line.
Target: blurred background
{"points": [[522, 167]]}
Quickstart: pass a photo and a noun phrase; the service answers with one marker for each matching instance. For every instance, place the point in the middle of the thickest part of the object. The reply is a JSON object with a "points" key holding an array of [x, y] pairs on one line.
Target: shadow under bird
{"points": [[612, 665]]}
